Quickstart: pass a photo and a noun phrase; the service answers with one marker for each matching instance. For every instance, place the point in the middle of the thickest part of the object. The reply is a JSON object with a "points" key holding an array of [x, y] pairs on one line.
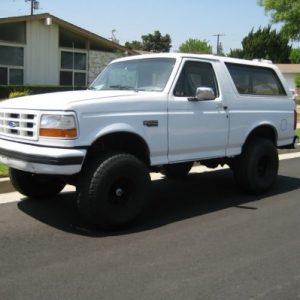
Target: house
{"points": [[45, 50], [290, 72]]}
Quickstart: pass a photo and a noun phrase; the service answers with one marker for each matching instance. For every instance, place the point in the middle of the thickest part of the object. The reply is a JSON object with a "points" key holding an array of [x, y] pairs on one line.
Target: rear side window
{"points": [[255, 80]]}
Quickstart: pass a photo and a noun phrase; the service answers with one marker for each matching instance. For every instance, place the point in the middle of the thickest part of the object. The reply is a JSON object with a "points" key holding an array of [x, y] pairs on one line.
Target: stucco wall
{"points": [[41, 54], [98, 61]]}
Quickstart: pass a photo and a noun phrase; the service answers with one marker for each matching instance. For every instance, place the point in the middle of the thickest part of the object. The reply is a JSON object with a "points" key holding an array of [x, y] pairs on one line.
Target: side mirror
{"points": [[203, 93]]}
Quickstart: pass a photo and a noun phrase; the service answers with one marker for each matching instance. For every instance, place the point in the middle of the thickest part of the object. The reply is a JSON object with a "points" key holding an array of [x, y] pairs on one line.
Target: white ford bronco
{"points": [[157, 112]]}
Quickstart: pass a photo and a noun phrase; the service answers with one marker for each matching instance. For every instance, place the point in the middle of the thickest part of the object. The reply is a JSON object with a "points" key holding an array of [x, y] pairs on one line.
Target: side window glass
{"points": [[255, 80], [193, 75]]}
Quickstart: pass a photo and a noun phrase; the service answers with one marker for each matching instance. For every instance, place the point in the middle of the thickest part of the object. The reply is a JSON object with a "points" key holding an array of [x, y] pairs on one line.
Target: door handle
{"points": [[220, 105]]}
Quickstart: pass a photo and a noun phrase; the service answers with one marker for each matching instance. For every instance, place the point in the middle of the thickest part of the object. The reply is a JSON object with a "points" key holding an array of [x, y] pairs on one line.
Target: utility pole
{"points": [[218, 42], [34, 5]]}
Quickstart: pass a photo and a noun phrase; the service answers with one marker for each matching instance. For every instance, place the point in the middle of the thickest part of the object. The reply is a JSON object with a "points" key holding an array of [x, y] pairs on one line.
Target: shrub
{"points": [[295, 56], [5, 90], [19, 94], [297, 81]]}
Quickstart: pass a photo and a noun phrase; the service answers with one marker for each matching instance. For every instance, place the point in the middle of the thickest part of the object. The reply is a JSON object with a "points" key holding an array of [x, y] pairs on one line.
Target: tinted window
{"points": [[11, 56], [15, 32], [70, 60], [79, 79], [255, 80], [66, 78], [16, 76], [3, 76], [194, 75]]}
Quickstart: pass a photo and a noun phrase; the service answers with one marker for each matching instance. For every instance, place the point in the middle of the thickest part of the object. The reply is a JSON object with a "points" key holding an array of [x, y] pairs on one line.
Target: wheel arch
{"points": [[267, 131], [121, 141]]}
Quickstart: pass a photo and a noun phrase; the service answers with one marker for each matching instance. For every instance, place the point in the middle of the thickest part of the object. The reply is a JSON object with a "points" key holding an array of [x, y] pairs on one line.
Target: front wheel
{"points": [[255, 170], [114, 190], [35, 185]]}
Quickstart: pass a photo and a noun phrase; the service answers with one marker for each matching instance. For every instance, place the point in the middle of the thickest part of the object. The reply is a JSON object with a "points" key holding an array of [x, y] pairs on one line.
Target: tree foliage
{"points": [[295, 56], [195, 46], [152, 43], [264, 44], [297, 81], [286, 12], [134, 45], [156, 42], [237, 53]]}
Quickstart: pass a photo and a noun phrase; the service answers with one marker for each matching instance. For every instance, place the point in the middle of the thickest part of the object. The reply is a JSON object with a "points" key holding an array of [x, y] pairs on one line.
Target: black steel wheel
{"points": [[114, 190], [256, 169]]}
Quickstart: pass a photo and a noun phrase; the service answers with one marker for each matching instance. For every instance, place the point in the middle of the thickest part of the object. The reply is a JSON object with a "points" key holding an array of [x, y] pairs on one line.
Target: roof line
{"points": [[68, 25]]}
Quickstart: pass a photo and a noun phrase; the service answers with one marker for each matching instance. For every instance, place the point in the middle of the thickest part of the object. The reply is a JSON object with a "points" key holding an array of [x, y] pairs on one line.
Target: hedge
{"points": [[5, 90], [297, 81]]}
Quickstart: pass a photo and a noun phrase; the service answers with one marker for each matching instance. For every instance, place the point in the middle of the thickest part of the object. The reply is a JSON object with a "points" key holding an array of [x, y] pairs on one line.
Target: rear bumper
{"points": [[41, 160]]}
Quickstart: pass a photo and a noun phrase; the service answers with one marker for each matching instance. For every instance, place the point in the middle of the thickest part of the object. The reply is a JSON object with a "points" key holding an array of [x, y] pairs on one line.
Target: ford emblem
{"points": [[13, 124]]}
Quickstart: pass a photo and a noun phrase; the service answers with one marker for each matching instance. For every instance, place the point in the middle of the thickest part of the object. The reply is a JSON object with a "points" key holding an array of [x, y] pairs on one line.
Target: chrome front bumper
{"points": [[41, 160]]}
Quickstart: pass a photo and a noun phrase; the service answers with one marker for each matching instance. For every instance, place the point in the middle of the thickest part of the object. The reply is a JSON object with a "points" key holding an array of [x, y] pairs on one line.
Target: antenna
{"points": [[34, 5], [113, 37]]}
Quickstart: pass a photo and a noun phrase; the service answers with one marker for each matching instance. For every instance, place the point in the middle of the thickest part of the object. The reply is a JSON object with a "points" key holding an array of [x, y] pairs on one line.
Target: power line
{"points": [[219, 45], [34, 5]]}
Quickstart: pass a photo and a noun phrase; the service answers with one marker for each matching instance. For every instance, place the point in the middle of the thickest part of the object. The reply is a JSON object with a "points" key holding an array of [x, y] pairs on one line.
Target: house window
{"points": [[13, 32], [15, 76], [73, 68], [11, 65], [3, 76]]}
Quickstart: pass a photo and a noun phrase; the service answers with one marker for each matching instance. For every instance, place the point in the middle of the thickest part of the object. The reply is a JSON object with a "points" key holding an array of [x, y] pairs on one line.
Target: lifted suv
{"points": [[159, 112]]}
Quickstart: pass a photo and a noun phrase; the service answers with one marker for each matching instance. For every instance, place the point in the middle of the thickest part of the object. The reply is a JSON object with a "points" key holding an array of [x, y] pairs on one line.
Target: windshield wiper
{"points": [[121, 87]]}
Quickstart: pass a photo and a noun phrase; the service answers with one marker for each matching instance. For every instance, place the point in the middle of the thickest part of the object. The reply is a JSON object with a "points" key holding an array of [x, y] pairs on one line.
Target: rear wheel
{"points": [[177, 170], [35, 185], [113, 191], [256, 169]]}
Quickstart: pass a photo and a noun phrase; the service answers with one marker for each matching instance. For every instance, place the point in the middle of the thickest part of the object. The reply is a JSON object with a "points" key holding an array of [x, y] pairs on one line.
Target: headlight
{"points": [[58, 126]]}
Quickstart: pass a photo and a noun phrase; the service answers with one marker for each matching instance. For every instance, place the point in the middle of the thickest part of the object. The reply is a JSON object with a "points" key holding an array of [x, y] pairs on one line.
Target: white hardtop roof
{"points": [[208, 57]]}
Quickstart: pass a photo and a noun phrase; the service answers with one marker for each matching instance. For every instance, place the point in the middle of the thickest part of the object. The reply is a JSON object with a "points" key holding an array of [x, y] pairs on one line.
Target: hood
{"points": [[61, 100]]}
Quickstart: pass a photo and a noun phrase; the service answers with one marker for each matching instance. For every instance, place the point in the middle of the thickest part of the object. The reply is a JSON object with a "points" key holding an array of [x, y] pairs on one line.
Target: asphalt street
{"points": [[202, 238]]}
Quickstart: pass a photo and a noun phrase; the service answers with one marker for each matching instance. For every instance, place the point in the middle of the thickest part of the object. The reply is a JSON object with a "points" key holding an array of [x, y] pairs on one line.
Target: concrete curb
{"points": [[6, 186]]}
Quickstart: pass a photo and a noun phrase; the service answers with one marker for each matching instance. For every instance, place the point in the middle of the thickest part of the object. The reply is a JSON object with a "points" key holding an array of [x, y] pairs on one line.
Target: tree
{"points": [[156, 42], [267, 44], [195, 46], [286, 12], [264, 44], [236, 53], [295, 56], [152, 42], [134, 45]]}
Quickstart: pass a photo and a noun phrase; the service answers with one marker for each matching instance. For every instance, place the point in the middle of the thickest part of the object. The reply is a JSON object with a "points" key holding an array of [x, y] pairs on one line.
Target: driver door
{"points": [[197, 129]]}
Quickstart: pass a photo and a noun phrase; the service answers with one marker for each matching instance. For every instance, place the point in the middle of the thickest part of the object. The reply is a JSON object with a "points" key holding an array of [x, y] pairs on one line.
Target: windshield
{"points": [[150, 74]]}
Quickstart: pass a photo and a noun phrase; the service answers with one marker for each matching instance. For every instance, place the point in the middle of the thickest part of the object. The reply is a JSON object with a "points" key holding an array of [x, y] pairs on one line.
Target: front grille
{"points": [[19, 124]]}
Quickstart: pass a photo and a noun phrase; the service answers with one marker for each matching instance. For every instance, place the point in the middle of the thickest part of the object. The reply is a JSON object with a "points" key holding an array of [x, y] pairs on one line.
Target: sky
{"points": [[182, 19]]}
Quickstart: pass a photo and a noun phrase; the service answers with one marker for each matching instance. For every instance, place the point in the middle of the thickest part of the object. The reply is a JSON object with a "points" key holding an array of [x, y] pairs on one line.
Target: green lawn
{"points": [[298, 133], [3, 170]]}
